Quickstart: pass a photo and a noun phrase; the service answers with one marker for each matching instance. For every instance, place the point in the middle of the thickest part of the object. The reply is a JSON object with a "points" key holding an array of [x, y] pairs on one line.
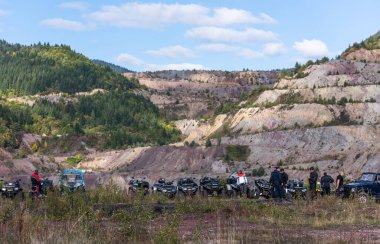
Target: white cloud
{"points": [[238, 51], [172, 52], [312, 48], [218, 34], [272, 49], [149, 15], [182, 66], [59, 23], [74, 5], [126, 58]]}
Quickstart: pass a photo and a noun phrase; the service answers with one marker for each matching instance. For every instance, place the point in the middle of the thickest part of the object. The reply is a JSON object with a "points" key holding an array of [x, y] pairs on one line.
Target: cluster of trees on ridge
{"points": [[115, 118]]}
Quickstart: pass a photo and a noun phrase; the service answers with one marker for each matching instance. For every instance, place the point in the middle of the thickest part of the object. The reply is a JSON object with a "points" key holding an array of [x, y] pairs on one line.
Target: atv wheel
{"points": [[363, 197], [204, 193]]}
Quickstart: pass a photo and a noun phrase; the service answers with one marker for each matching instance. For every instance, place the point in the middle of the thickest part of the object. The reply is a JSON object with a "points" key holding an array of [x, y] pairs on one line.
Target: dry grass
{"points": [[71, 218]]}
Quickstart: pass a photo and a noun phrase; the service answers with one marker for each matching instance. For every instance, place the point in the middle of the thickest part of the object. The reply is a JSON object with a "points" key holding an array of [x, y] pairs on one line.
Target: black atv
{"points": [[46, 186], [186, 187], [165, 187], [12, 190], [236, 188], [295, 189], [211, 187], [265, 188], [138, 185]]}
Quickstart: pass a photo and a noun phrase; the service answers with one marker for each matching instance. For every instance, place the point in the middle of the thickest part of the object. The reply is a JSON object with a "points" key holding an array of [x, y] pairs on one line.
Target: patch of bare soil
{"points": [[223, 228]]}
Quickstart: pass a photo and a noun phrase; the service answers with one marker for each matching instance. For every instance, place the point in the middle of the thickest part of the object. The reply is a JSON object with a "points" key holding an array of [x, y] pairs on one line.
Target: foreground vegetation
{"points": [[73, 218]]}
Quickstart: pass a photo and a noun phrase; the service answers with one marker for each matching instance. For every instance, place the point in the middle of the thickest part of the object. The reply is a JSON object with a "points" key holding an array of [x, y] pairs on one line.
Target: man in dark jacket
{"points": [[326, 180], [313, 178], [284, 181], [275, 179]]}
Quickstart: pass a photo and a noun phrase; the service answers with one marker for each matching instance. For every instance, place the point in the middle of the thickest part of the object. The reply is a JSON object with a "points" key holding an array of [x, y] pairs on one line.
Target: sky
{"points": [[216, 35]]}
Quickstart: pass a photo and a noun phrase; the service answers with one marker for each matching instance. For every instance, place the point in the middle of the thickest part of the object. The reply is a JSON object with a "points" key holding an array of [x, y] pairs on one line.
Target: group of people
{"points": [[326, 181], [279, 179]]}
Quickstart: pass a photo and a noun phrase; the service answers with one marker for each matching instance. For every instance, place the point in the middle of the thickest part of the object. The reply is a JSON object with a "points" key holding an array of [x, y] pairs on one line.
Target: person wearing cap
{"points": [[313, 178], [326, 180], [36, 181], [275, 180]]}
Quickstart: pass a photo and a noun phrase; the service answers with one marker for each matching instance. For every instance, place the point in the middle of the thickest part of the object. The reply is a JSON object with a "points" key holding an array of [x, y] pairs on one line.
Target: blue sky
{"points": [[222, 35]]}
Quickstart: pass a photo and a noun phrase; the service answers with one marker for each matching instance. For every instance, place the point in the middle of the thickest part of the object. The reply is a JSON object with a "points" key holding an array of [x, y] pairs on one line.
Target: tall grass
{"points": [[72, 218]]}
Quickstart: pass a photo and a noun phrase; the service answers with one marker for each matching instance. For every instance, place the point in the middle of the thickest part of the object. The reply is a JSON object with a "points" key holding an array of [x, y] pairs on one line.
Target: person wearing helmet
{"points": [[36, 181]]}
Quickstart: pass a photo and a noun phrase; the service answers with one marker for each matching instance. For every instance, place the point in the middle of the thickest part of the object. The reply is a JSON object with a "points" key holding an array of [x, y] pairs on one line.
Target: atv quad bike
{"points": [[136, 186], [295, 189], [265, 188], [238, 186], [211, 187], [71, 180], [12, 190], [165, 187], [46, 186], [186, 187]]}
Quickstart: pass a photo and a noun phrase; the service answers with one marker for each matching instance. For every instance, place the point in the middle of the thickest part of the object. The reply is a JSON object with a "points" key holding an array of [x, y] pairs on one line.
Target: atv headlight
{"points": [[291, 190], [164, 190], [353, 189], [303, 190], [3, 189], [16, 189]]}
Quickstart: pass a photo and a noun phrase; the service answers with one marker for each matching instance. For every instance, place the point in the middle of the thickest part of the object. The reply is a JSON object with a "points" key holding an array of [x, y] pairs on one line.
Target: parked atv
{"points": [[186, 187], [296, 189], [46, 186], [237, 185], [138, 186], [165, 187], [71, 180], [265, 188], [211, 187], [12, 190]]}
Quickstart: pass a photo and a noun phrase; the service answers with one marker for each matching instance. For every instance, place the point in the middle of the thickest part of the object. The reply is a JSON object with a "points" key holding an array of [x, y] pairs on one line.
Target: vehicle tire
{"points": [[363, 197], [204, 193]]}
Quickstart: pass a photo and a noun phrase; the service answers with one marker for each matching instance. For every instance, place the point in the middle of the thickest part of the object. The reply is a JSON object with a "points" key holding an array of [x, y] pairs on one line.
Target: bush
{"points": [[237, 152], [258, 172]]}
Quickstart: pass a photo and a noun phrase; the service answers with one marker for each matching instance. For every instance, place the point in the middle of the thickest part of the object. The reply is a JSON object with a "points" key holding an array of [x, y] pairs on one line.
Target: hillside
{"points": [[27, 70], [75, 105], [366, 51], [113, 67], [195, 94]]}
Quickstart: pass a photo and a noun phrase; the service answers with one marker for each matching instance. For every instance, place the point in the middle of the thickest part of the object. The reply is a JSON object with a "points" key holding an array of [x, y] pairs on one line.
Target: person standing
{"points": [[284, 181], [326, 180], [339, 182], [36, 181], [313, 178], [275, 180]]}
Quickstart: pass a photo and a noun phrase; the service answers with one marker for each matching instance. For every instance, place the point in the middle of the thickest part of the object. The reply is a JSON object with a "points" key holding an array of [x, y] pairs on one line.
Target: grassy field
{"points": [[73, 219]]}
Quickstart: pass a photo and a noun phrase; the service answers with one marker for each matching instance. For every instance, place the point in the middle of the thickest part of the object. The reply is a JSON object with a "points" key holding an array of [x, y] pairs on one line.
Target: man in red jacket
{"points": [[36, 181]]}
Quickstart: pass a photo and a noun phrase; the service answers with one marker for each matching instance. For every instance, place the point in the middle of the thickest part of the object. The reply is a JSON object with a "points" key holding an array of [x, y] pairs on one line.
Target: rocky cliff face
{"points": [[329, 119], [192, 94]]}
